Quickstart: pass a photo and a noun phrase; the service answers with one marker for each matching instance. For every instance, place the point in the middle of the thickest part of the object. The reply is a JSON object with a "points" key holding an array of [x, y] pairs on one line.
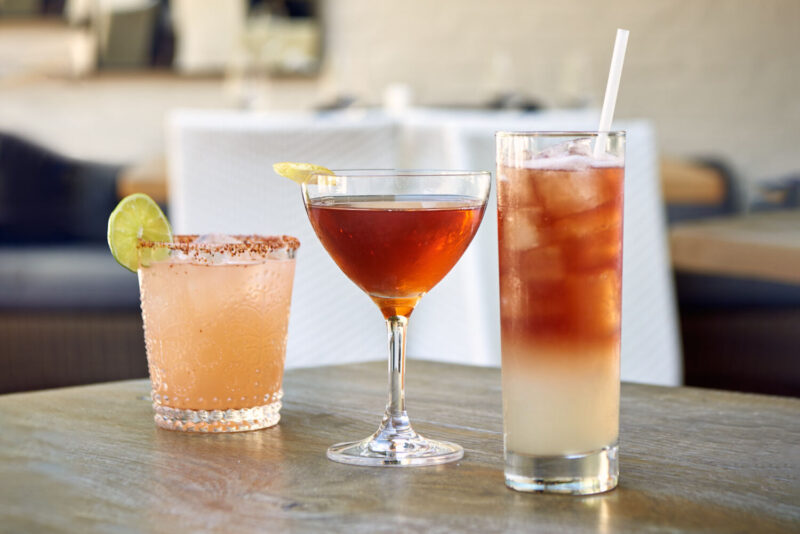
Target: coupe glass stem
{"points": [[396, 416], [395, 443]]}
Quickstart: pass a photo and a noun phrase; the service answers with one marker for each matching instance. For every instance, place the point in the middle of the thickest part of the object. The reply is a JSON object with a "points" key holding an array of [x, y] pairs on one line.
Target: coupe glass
{"points": [[396, 234]]}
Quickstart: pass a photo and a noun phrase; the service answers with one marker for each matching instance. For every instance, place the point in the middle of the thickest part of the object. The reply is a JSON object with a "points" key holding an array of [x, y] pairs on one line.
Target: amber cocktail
{"points": [[396, 249], [216, 315], [396, 234]]}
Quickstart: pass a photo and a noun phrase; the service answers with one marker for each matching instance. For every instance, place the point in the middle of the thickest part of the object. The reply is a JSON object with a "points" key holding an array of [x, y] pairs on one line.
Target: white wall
{"points": [[718, 77]]}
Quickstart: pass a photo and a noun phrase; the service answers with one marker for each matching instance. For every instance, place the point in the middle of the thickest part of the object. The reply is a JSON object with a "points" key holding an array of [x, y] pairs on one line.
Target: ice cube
{"points": [[596, 254], [216, 256], [564, 192], [519, 229], [515, 187], [572, 155], [217, 239], [592, 239], [589, 223], [530, 307], [575, 147], [542, 264]]}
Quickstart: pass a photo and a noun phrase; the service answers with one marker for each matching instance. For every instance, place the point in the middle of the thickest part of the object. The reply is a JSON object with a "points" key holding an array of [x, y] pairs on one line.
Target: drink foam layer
{"points": [[574, 155], [571, 162]]}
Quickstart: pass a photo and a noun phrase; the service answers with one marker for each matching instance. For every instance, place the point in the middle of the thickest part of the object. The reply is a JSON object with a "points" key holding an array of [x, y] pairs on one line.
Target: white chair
{"points": [[221, 180]]}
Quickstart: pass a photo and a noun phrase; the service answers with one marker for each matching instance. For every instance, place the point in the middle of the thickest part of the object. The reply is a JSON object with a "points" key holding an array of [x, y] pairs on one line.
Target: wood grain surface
{"points": [[687, 182], [764, 246], [89, 459]]}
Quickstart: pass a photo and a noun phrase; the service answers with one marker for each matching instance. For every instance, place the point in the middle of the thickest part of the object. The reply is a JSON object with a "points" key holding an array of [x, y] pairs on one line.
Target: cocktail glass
{"points": [[559, 212], [216, 314], [396, 234]]}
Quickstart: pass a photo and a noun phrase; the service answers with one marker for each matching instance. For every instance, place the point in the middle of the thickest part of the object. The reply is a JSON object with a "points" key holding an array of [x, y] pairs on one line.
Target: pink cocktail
{"points": [[216, 317]]}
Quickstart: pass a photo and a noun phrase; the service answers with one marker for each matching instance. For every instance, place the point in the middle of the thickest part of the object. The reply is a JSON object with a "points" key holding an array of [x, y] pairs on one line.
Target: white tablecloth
{"points": [[221, 180]]}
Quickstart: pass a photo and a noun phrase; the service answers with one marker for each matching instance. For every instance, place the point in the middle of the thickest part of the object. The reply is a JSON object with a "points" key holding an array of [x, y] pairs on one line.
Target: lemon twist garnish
{"points": [[137, 217], [299, 172]]}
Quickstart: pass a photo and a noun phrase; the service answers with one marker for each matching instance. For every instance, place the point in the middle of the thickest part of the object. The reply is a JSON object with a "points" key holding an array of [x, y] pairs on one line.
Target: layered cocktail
{"points": [[560, 249]]}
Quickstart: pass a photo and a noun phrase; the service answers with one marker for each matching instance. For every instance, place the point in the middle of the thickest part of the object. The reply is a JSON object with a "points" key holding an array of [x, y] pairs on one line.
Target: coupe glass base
{"points": [[419, 452], [580, 474], [395, 444]]}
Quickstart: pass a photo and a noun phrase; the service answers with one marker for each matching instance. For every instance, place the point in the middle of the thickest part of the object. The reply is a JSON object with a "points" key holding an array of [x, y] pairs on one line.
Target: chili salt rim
{"points": [[250, 244]]}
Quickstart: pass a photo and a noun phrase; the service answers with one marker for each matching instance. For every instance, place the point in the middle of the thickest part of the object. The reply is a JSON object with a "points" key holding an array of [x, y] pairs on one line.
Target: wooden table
{"points": [[738, 284], [90, 459], [763, 246]]}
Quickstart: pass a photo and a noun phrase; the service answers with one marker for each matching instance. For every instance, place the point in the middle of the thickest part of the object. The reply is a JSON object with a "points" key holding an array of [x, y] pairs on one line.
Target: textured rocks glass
{"points": [[559, 209], [216, 316]]}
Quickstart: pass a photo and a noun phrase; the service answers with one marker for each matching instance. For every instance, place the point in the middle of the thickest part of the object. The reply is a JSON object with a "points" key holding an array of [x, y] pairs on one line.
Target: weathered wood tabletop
{"points": [[89, 459], [764, 246]]}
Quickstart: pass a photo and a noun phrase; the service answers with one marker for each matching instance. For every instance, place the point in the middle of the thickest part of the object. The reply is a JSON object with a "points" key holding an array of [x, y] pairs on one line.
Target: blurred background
{"points": [[187, 99]]}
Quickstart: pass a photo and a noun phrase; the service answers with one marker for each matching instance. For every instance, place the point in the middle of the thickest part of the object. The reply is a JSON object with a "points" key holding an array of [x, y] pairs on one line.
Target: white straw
{"points": [[612, 88]]}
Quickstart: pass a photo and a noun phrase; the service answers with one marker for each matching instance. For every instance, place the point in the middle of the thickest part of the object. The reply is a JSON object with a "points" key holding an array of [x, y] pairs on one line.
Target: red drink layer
{"points": [[560, 252], [560, 237], [395, 248]]}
